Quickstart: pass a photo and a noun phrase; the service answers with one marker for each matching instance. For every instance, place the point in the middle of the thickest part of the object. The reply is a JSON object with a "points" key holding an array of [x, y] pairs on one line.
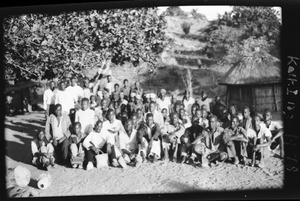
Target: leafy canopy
{"points": [[39, 46]]}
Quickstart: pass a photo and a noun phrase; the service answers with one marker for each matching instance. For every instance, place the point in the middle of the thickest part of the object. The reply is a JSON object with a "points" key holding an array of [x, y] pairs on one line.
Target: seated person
{"points": [[235, 138], [204, 120], [171, 134], [148, 138], [10, 108], [76, 149], [225, 121], [259, 141], [97, 142], [277, 132], [114, 127], [189, 137], [193, 112], [216, 143], [42, 151]]}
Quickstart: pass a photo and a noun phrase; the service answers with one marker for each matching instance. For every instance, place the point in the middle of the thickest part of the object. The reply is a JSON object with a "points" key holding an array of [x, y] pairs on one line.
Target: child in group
{"points": [[115, 96], [259, 141], [193, 112], [93, 102], [276, 130], [42, 151], [200, 149], [77, 152], [164, 112], [184, 119], [204, 121]]}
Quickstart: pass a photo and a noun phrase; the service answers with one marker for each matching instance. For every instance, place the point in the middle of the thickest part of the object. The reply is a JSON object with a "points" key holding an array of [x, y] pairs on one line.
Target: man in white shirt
{"points": [[49, 99], [96, 142], [75, 90], [158, 117], [204, 100], [85, 116], [109, 85], [64, 98], [163, 102]]}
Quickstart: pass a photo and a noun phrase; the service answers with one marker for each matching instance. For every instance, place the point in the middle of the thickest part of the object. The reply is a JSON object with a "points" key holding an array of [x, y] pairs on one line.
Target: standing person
{"points": [[163, 101], [126, 89], [85, 116], [65, 99], [49, 99], [99, 140], [277, 132], [171, 134], [137, 89], [260, 141], [58, 129], [76, 147], [130, 105], [188, 101], [75, 90], [115, 96], [109, 85], [158, 118], [147, 102], [87, 92], [189, 137], [93, 102], [234, 138], [204, 100]]}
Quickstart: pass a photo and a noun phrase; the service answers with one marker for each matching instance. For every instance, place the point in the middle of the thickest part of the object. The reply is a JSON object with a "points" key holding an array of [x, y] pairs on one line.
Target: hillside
{"points": [[185, 51]]}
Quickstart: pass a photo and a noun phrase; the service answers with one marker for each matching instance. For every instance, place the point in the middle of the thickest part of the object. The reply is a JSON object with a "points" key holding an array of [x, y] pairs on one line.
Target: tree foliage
{"points": [[230, 31], [41, 46], [186, 27]]}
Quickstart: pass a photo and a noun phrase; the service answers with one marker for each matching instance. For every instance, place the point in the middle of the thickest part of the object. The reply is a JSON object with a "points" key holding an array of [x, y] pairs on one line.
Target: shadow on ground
{"points": [[25, 132]]}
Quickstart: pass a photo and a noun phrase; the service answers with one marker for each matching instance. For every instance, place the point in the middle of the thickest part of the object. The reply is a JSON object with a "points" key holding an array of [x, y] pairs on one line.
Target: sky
{"points": [[211, 12]]}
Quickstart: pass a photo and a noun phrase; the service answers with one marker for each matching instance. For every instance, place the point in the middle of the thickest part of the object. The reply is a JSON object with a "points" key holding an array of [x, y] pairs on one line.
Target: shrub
{"points": [[186, 27]]}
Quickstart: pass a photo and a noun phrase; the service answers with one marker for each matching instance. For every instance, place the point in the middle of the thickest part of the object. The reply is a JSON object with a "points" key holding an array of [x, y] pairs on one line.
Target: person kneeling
{"points": [[95, 144], [42, 151]]}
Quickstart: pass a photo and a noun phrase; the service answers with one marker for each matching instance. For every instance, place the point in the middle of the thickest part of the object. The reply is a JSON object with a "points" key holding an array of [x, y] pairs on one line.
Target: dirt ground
{"points": [[160, 177]]}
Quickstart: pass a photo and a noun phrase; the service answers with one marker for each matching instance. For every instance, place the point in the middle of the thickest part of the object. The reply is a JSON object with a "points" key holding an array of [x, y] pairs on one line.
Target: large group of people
{"points": [[132, 127]]}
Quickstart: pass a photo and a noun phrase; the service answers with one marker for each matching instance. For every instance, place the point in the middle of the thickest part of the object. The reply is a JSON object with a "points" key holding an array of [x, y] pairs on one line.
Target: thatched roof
{"points": [[250, 71]]}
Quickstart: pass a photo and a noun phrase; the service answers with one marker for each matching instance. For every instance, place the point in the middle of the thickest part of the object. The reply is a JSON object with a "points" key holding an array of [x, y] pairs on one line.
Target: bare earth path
{"points": [[149, 178]]}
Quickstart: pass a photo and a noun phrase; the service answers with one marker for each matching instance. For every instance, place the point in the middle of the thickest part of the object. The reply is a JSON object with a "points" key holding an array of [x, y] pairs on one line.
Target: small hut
{"points": [[254, 82]]}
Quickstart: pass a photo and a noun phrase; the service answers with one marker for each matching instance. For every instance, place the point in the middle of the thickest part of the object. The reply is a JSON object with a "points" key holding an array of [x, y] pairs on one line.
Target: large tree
{"points": [[41, 46]]}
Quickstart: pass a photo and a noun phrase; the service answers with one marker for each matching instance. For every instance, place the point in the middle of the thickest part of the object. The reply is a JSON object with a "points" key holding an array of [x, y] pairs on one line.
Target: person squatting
{"points": [[132, 127]]}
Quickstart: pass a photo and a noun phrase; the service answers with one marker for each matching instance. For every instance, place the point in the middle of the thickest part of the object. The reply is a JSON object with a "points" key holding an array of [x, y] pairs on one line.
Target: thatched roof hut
{"points": [[254, 82]]}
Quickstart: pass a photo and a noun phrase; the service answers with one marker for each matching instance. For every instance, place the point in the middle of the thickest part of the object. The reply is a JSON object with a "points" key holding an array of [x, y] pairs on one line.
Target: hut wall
{"points": [[268, 97], [240, 96]]}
